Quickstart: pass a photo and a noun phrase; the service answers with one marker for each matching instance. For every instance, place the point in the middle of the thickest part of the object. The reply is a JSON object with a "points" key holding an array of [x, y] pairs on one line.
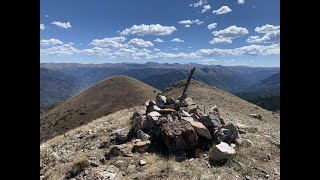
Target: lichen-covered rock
{"points": [[179, 135]]}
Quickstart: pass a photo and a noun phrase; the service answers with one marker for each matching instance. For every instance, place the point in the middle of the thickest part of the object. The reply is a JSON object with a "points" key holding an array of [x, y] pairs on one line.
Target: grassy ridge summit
{"points": [[233, 79], [105, 97]]}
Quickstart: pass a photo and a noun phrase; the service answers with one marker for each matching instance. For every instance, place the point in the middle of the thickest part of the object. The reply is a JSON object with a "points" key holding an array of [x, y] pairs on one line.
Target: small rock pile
{"points": [[181, 126]]}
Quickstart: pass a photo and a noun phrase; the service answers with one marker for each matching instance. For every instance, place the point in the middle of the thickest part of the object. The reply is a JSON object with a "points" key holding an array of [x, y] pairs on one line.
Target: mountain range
{"points": [[59, 81]]}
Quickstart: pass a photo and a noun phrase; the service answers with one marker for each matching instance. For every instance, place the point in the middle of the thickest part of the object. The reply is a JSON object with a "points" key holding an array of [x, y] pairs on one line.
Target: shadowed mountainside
{"points": [[105, 97]]}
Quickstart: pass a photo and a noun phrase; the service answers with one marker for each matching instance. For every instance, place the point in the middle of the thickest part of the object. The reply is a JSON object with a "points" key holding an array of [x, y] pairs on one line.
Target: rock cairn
{"points": [[183, 127]]}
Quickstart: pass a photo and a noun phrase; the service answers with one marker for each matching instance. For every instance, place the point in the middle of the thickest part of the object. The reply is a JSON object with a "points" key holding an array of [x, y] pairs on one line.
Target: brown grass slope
{"points": [[262, 161], [105, 97]]}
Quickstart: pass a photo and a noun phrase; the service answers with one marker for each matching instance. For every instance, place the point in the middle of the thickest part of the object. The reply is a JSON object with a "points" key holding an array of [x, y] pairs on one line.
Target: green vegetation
{"points": [[271, 103]]}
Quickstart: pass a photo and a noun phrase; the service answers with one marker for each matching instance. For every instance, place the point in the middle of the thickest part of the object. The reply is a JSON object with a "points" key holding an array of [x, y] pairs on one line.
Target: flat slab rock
{"points": [[221, 151], [201, 129], [179, 135]]}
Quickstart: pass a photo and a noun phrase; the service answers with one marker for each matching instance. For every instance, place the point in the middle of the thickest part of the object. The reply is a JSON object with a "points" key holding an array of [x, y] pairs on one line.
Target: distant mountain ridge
{"points": [[265, 93], [232, 79]]}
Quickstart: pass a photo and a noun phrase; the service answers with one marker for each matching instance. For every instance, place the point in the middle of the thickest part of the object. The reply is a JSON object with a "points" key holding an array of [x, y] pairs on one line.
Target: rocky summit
{"points": [[208, 134]]}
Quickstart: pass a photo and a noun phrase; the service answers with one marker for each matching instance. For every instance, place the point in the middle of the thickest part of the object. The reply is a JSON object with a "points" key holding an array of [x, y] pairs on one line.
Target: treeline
{"points": [[271, 103]]}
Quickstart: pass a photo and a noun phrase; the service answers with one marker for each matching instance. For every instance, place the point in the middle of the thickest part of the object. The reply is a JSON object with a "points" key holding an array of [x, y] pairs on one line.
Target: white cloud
{"points": [[162, 55], [46, 16], [42, 27], [140, 43], [65, 49], [271, 37], [240, 1], [205, 55], [226, 35], [222, 10], [49, 42], [97, 51], [177, 40], [208, 61], [267, 28], [158, 40], [212, 26], [185, 22], [199, 3], [188, 22], [115, 42], [271, 34], [221, 40], [206, 8], [153, 29], [232, 32], [245, 50], [65, 25], [198, 22]]}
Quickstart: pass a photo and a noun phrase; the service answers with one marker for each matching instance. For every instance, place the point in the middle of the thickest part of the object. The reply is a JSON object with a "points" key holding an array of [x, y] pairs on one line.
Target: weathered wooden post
{"points": [[184, 93]]}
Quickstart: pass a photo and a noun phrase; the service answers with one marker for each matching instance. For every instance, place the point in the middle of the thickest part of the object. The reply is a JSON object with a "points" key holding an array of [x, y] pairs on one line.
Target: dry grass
{"points": [[105, 97]]}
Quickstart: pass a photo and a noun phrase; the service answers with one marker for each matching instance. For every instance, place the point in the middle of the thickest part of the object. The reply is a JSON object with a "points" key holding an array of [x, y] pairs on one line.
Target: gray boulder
{"points": [[227, 133], [160, 101], [121, 134], [210, 120]]}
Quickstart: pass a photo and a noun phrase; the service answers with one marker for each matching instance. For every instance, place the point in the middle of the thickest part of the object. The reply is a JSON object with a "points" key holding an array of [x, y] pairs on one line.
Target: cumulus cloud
{"points": [[232, 32], [212, 26], [152, 29], [114, 42], [65, 49], [187, 26], [222, 10], [65, 25], [136, 53], [158, 40], [221, 40], [177, 40], [267, 28], [140, 43], [245, 50], [226, 35], [271, 34], [240, 1], [42, 27], [49, 42], [206, 8]]}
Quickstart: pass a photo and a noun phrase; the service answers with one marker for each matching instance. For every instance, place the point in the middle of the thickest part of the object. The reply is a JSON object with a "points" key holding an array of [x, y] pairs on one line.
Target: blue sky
{"points": [[224, 32]]}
